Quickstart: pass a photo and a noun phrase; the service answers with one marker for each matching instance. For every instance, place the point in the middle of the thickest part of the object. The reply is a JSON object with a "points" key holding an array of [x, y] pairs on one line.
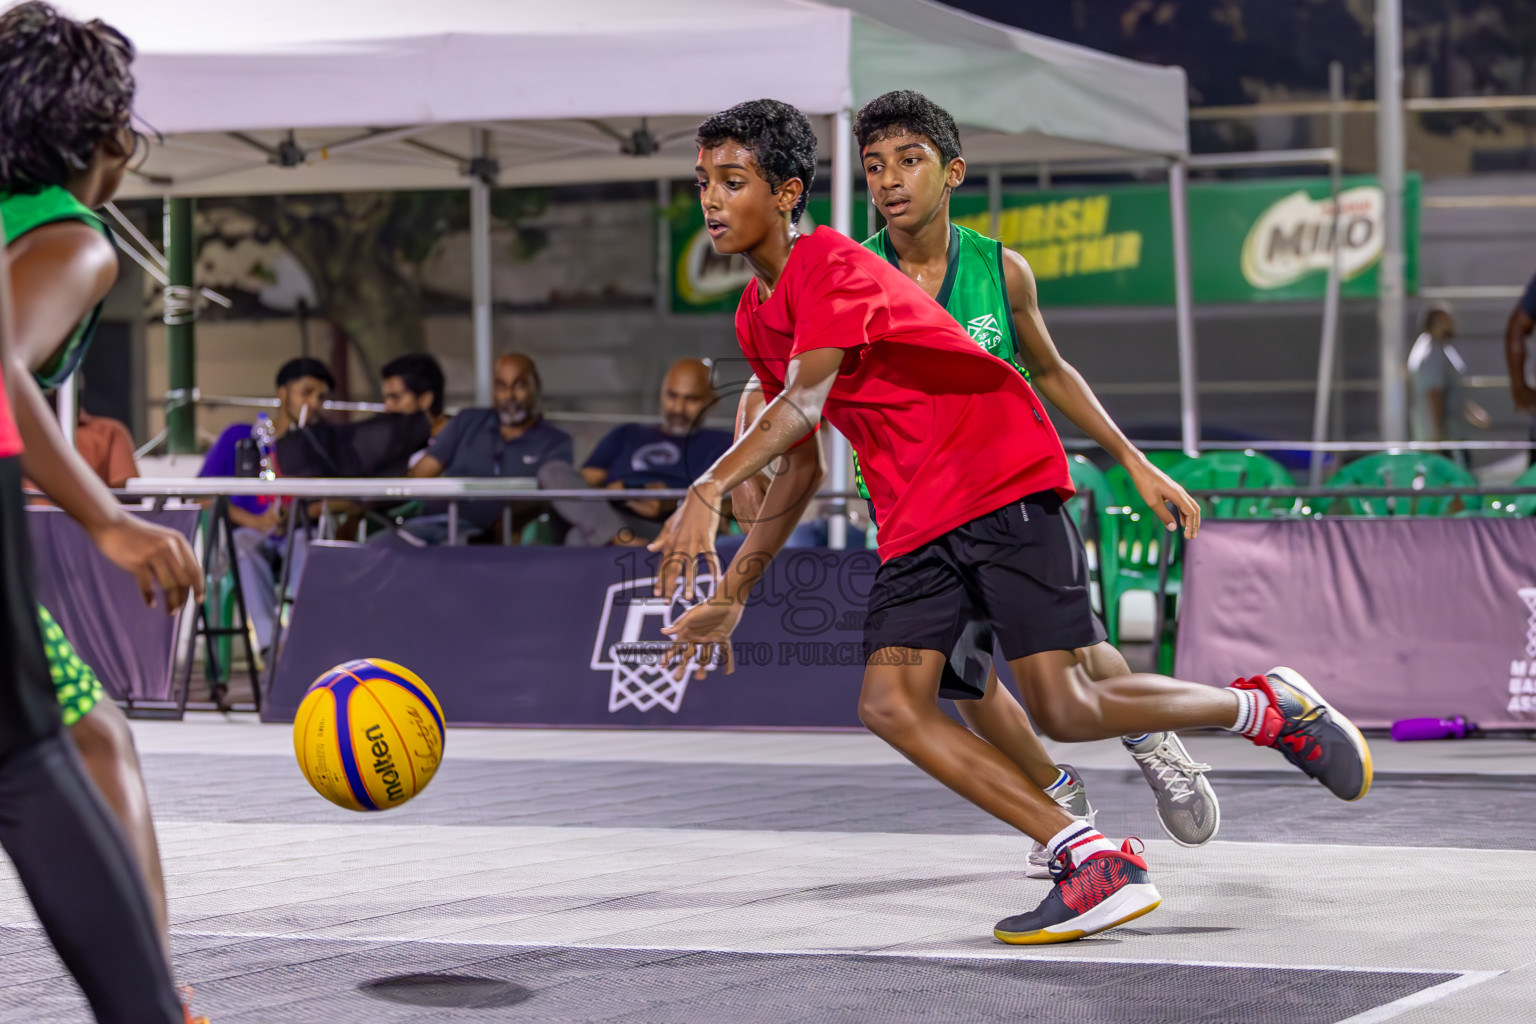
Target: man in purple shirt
{"points": [[303, 385]]}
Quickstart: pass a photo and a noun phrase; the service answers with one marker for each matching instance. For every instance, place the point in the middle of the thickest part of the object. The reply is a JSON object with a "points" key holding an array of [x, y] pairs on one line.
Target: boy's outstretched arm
{"points": [[1061, 385], [783, 423]]}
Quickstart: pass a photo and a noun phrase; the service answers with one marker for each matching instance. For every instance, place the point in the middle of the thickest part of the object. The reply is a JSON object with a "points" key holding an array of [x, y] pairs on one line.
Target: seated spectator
{"points": [[511, 440], [107, 447], [669, 455], [303, 385], [414, 383]]}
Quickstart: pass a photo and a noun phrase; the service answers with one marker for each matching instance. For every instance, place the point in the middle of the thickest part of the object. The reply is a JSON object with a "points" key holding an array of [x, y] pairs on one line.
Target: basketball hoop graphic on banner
{"points": [[631, 647]]}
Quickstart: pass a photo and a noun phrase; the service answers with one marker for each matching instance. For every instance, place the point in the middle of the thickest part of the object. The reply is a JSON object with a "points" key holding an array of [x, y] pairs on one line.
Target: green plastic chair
{"points": [[1521, 505], [1088, 479], [1244, 470], [1132, 539], [1405, 469], [540, 531]]}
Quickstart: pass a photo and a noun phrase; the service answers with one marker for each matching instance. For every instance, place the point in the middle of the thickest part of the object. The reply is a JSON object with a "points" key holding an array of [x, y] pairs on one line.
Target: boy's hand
{"points": [[688, 536], [703, 633], [155, 556], [1156, 488]]}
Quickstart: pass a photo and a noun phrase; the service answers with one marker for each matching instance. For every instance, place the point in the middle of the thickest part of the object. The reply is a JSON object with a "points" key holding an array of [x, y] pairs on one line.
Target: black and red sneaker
{"points": [[1311, 735], [1104, 891]]}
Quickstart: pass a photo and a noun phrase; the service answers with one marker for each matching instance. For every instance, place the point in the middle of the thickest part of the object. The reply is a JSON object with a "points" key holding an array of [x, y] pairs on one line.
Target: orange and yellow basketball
{"points": [[368, 735]]}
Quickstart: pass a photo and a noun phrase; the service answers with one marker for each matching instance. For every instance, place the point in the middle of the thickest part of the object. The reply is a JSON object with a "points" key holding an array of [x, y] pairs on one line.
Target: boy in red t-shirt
{"points": [[972, 528]]}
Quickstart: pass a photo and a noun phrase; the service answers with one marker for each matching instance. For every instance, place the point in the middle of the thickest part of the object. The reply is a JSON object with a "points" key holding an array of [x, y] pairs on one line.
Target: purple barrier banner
{"points": [[1391, 618], [99, 607], [527, 636]]}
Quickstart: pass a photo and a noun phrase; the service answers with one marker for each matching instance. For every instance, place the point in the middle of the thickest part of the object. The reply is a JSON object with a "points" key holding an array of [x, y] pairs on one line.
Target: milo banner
{"points": [[1249, 242]]}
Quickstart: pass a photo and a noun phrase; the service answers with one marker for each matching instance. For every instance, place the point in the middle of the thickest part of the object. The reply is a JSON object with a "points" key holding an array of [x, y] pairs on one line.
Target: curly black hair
{"points": [[904, 112], [778, 136], [64, 86]]}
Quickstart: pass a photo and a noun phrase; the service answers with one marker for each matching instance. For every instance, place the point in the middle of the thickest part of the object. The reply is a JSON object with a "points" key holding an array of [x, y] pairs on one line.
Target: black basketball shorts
{"points": [[1018, 573], [29, 709]]}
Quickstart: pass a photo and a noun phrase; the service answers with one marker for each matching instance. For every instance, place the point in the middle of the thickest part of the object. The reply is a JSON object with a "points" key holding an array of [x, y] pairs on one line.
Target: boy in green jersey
{"points": [[910, 148]]}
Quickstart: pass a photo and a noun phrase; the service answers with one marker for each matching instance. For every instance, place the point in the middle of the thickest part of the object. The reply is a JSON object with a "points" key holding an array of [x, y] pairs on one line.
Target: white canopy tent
{"points": [[562, 88], [300, 96]]}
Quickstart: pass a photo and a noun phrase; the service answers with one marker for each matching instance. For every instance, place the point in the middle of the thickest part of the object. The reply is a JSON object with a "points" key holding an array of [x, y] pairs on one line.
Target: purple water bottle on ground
{"points": [[1432, 729]]}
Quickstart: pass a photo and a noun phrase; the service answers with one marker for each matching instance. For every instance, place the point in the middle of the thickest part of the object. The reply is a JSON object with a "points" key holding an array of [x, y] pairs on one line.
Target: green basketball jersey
{"points": [[23, 211], [974, 292]]}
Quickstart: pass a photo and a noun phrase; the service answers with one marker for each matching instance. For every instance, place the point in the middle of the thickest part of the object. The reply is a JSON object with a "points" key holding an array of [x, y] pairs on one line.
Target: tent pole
{"points": [[994, 199], [482, 174], [842, 220], [1389, 174], [1327, 353], [180, 312], [1183, 302]]}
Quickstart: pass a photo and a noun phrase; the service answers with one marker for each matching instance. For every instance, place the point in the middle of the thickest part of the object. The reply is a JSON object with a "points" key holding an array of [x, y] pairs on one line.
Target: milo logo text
{"points": [[384, 764], [1297, 236]]}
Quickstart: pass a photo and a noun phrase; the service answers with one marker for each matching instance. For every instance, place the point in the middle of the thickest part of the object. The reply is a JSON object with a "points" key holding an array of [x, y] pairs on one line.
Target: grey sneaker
{"points": [[1074, 798], [1186, 804]]}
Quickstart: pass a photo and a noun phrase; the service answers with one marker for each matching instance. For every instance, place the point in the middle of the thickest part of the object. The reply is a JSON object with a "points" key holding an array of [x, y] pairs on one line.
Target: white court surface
{"points": [[718, 877]]}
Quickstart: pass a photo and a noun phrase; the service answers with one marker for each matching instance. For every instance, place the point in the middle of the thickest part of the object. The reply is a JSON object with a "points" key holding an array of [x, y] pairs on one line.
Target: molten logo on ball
{"points": [[368, 735]]}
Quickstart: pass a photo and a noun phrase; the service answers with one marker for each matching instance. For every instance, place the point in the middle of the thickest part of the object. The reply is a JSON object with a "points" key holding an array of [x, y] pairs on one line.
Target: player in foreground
{"points": [[78, 871], [65, 142], [910, 148], [971, 520]]}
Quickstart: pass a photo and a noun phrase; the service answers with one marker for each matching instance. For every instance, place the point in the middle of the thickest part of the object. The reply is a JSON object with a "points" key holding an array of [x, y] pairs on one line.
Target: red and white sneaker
{"points": [[1104, 891], [1311, 735]]}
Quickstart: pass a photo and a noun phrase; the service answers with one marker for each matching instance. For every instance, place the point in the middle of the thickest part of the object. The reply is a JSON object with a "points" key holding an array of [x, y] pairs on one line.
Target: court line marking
{"points": [[373, 822], [855, 760], [1423, 997], [1000, 954]]}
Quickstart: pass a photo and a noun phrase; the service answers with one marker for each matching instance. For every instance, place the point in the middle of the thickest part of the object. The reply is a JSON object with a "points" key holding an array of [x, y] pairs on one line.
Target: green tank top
{"points": [[974, 292], [24, 211]]}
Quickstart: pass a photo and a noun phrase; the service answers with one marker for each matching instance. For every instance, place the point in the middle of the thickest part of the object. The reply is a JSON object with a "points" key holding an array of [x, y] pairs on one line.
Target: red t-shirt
{"points": [[945, 431], [10, 437]]}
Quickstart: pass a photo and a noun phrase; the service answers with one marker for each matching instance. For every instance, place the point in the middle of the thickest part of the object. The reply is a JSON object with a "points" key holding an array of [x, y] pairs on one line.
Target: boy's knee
{"points": [[886, 710], [1065, 718]]}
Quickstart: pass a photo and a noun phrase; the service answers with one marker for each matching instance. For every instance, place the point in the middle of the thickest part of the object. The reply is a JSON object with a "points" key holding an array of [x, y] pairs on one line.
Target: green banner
{"points": [[1259, 241]]}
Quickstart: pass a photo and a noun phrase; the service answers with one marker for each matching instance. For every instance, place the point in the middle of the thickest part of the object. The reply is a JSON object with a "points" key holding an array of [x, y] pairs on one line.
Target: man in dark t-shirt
{"points": [[665, 455], [511, 439]]}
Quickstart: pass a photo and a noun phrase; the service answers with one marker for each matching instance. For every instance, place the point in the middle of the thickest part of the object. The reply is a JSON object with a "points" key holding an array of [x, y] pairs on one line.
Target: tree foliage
{"points": [[363, 252]]}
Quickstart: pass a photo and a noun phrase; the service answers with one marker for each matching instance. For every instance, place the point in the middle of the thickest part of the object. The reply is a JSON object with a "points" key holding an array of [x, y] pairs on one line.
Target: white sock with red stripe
{"points": [[1250, 712], [1079, 841]]}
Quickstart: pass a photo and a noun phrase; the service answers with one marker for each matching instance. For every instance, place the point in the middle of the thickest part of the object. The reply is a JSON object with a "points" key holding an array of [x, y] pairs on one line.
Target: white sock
{"points": [[1132, 741], [1079, 841], [1062, 779], [1250, 712]]}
